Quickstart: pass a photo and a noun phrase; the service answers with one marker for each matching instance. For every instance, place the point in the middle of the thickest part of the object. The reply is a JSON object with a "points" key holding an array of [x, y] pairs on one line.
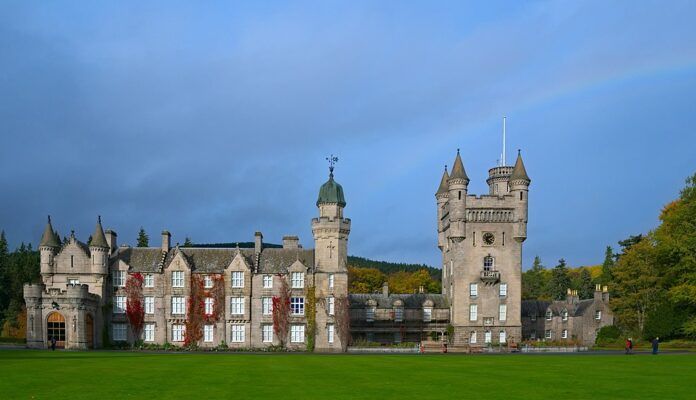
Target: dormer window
{"points": [[208, 282], [564, 315], [178, 279], [297, 280]]}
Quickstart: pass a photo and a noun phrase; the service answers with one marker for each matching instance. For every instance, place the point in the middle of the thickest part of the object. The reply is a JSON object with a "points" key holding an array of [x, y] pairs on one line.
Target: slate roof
{"points": [[49, 238], [519, 172], [141, 259], [98, 238], [534, 307], [415, 300], [275, 261], [556, 307], [458, 171], [444, 186]]}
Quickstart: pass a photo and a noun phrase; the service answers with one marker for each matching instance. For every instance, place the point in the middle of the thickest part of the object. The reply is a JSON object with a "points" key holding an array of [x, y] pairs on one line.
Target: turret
{"points": [[442, 195], [48, 247], [458, 183], [99, 248], [519, 188]]}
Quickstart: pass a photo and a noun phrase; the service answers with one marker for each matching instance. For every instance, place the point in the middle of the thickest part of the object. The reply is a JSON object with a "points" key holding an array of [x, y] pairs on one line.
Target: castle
{"points": [[85, 291]]}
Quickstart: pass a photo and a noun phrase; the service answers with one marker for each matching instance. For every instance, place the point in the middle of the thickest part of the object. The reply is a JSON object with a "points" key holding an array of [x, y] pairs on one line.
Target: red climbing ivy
{"points": [[196, 315], [135, 312], [281, 311]]}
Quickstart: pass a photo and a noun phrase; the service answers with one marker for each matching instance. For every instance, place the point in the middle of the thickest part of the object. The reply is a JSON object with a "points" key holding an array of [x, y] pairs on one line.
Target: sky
{"points": [[213, 120]]}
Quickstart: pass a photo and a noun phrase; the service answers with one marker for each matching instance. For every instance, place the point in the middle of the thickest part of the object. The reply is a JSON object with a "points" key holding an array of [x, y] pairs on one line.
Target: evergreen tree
{"points": [[4, 276], [560, 281], [607, 266], [89, 241], [143, 238], [533, 281], [586, 289], [188, 242]]}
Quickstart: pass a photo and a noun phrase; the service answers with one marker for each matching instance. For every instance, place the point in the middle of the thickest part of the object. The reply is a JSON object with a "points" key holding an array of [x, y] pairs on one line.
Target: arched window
{"points": [[487, 263]]}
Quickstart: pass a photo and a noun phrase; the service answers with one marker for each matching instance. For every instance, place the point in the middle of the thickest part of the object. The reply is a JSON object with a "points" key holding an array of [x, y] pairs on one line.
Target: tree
{"points": [[365, 280], [533, 281], [586, 287], [188, 242], [4, 276], [627, 243], [607, 266], [143, 238], [560, 281]]}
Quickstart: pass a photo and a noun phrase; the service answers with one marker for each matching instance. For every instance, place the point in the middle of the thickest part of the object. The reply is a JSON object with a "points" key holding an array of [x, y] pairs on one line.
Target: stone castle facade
{"points": [[82, 298]]}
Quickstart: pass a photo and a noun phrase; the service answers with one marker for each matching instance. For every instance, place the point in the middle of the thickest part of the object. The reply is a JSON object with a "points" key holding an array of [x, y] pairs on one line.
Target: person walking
{"points": [[655, 344], [53, 343], [628, 346]]}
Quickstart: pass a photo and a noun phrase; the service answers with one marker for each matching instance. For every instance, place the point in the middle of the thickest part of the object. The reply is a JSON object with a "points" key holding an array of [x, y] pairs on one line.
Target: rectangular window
{"points": [[119, 332], [119, 304], [237, 279], [331, 281], [149, 333], [178, 305], [370, 314], [564, 334], [237, 333], [149, 305], [297, 280], [398, 314], [178, 279], [502, 337], [297, 333], [119, 278], [330, 305], [427, 314], [209, 305], [178, 332], [268, 281], [532, 335], [487, 337], [547, 334], [267, 305], [208, 333], [503, 289], [473, 312], [237, 305], [73, 281], [473, 289], [149, 280], [330, 333], [549, 315], [502, 312], [297, 305], [598, 315], [267, 333], [208, 281], [472, 337]]}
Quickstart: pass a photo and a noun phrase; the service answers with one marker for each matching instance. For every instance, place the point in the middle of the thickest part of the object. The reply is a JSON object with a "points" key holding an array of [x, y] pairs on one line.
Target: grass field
{"points": [[124, 375]]}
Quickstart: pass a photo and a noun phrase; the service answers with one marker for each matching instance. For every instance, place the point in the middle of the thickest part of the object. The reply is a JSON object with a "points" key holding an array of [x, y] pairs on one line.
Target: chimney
{"points": [[605, 294], [421, 289], [291, 242], [166, 241], [258, 242], [385, 289], [111, 240], [572, 296], [598, 292]]}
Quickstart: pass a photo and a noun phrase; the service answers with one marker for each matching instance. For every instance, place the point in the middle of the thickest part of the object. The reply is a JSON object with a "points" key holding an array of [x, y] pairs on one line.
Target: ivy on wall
{"points": [[311, 314], [196, 316], [135, 312]]}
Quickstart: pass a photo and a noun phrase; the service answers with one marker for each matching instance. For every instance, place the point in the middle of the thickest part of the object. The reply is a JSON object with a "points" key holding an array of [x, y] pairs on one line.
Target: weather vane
{"points": [[332, 161]]}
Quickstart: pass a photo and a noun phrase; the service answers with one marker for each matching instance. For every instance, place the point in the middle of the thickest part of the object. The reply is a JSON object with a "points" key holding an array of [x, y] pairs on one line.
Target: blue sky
{"points": [[212, 120]]}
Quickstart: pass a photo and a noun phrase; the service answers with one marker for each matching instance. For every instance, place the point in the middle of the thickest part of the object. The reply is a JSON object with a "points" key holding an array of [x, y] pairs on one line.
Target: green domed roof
{"points": [[331, 192]]}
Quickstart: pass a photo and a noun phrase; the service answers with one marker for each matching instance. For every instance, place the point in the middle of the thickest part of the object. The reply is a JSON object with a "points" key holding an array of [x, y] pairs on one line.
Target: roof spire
{"points": [[519, 172], [98, 238], [444, 186], [458, 171], [48, 239]]}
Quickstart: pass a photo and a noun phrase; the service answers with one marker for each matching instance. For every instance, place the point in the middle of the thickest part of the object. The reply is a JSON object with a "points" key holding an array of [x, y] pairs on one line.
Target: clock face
{"points": [[488, 238]]}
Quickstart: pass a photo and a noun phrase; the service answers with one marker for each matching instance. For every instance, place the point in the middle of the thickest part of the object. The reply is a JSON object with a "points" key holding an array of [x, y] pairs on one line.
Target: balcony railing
{"points": [[490, 276]]}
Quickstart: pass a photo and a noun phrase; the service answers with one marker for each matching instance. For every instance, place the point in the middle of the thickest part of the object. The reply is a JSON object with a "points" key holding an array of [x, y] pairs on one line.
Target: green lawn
{"points": [[122, 375]]}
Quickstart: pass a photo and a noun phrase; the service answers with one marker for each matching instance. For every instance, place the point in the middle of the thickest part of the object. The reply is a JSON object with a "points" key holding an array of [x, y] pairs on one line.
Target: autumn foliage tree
{"points": [[135, 312], [281, 311]]}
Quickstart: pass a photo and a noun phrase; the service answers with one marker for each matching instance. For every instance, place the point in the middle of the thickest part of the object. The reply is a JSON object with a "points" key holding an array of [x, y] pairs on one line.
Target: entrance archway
{"points": [[89, 331], [55, 327]]}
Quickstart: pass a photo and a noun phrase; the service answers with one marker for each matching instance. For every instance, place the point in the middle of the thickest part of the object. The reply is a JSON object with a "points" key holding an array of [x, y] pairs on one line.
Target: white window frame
{"points": [[564, 334], [73, 281], [267, 305], [473, 312], [331, 281], [177, 279], [149, 332], [297, 280], [267, 333], [119, 278], [598, 315], [237, 305], [487, 337], [548, 334], [427, 314], [549, 315], [472, 337], [208, 333], [502, 290], [119, 332], [238, 333], [178, 332], [330, 305], [119, 304], [297, 333], [502, 312], [473, 289], [268, 281], [149, 281], [149, 304], [330, 331], [488, 266], [208, 282], [178, 305], [564, 315], [209, 304], [297, 305], [237, 279], [502, 337]]}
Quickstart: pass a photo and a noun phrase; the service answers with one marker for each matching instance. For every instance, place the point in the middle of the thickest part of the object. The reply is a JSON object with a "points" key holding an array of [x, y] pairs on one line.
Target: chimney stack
{"points": [[111, 240], [385, 289], [258, 242], [291, 242], [166, 241], [605, 294]]}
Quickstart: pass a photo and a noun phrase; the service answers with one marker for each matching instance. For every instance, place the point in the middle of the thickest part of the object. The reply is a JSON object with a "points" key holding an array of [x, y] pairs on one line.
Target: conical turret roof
{"points": [[98, 237], [444, 186], [48, 239], [458, 171], [519, 172]]}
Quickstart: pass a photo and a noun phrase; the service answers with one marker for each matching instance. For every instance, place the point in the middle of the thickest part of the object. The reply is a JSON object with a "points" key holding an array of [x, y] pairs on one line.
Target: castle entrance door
{"points": [[89, 331], [55, 327]]}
